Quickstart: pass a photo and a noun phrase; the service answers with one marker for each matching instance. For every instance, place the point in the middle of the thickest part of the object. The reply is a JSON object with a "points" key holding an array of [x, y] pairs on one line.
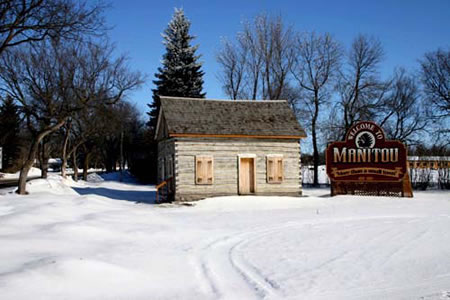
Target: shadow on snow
{"points": [[147, 197]]}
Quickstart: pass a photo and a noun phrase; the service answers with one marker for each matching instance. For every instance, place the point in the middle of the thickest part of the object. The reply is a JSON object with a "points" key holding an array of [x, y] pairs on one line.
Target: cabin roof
{"points": [[207, 117]]}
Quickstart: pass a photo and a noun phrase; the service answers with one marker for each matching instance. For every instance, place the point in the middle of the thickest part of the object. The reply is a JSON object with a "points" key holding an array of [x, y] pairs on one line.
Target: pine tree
{"points": [[9, 133], [180, 74]]}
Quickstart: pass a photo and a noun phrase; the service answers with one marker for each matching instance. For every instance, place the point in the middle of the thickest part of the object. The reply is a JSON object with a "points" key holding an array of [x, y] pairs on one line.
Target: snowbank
{"points": [[94, 177], [97, 240], [34, 172]]}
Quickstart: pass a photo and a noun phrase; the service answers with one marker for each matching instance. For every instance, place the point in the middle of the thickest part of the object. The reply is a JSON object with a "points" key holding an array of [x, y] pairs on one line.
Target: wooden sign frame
{"points": [[368, 164]]}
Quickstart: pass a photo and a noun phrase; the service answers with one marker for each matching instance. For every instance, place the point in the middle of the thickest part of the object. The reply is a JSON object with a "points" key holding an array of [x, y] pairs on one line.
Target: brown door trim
{"points": [[251, 177]]}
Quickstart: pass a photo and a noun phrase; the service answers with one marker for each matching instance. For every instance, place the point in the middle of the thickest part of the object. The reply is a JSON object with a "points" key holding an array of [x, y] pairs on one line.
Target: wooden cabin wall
{"points": [[166, 150], [225, 153]]}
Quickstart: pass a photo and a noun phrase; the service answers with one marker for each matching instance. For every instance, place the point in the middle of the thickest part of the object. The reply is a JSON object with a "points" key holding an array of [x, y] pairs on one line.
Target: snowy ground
{"points": [[36, 172], [105, 240]]}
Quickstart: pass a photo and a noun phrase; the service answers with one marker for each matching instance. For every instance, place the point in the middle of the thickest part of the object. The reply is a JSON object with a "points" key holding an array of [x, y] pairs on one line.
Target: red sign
{"points": [[366, 156]]}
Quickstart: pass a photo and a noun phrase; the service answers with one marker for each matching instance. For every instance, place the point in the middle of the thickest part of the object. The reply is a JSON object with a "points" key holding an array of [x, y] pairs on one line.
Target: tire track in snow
{"points": [[220, 260], [263, 286]]}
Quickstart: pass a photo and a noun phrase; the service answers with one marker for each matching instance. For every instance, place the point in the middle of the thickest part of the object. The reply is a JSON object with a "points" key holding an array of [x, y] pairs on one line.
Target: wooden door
{"points": [[247, 176]]}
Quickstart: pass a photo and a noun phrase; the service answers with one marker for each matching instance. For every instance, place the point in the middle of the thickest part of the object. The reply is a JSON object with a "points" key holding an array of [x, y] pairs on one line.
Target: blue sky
{"points": [[406, 28]]}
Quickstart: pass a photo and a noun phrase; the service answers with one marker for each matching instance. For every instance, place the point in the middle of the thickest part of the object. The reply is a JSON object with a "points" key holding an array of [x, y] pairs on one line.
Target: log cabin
{"points": [[210, 148]]}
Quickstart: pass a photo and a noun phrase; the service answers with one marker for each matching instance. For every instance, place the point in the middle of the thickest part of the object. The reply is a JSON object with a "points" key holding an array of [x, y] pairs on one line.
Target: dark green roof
{"points": [[229, 117]]}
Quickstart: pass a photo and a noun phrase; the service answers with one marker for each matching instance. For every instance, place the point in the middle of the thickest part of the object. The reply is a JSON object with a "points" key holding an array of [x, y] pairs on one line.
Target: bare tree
{"points": [[234, 62], [32, 78], [248, 42], [276, 46], [436, 79], [101, 82], [34, 20], [84, 131], [53, 80], [402, 113], [359, 87], [258, 65], [316, 64], [75, 137]]}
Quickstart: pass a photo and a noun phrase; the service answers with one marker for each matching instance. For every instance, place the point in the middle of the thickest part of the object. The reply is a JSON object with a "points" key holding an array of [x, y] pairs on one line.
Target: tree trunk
{"points": [[40, 159], [21, 187], [64, 151], [87, 158], [44, 168], [314, 139], [255, 86], [23, 178], [75, 165], [43, 158]]}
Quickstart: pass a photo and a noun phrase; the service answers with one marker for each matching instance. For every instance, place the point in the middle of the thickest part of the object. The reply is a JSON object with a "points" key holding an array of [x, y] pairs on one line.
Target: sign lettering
{"points": [[366, 157]]}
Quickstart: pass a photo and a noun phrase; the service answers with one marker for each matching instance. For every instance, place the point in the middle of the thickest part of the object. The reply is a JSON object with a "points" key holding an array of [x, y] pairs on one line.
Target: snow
{"points": [[104, 239], [34, 172], [55, 161]]}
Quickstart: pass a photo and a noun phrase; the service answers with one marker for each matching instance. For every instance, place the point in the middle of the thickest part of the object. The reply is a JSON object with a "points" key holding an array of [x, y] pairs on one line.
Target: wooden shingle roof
{"points": [[203, 117]]}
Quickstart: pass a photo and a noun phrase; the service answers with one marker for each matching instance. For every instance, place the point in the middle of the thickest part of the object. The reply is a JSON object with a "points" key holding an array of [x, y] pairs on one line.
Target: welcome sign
{"points": [[364, 160]]}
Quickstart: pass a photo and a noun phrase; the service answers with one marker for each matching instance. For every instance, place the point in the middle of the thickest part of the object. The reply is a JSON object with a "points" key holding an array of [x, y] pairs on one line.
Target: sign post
{"points": [[368, 164], [1, 158]]}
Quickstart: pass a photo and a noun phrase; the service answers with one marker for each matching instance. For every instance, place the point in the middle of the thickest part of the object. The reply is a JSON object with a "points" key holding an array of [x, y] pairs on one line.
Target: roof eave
{"points": [[158, 124]]}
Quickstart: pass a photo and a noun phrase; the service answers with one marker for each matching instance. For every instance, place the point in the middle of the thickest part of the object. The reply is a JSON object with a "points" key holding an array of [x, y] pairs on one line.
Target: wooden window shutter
{"points": [[275, 169], [204, 170], [270, 169], [279, 168], [199, 176]]}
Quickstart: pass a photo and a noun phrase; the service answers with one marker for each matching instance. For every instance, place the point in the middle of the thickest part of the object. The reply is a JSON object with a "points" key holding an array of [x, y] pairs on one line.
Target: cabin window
{"points": [[275, 169], [204, 170]]}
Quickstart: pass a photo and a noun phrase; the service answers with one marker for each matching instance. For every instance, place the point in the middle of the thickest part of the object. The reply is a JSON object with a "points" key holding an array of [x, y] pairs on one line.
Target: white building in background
{"points": [[432, 162], [432, 169]]}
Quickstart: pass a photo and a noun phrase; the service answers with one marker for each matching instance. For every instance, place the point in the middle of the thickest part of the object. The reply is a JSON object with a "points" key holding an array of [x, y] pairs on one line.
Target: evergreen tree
{"points": [[180, 74], [9, 133]]}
